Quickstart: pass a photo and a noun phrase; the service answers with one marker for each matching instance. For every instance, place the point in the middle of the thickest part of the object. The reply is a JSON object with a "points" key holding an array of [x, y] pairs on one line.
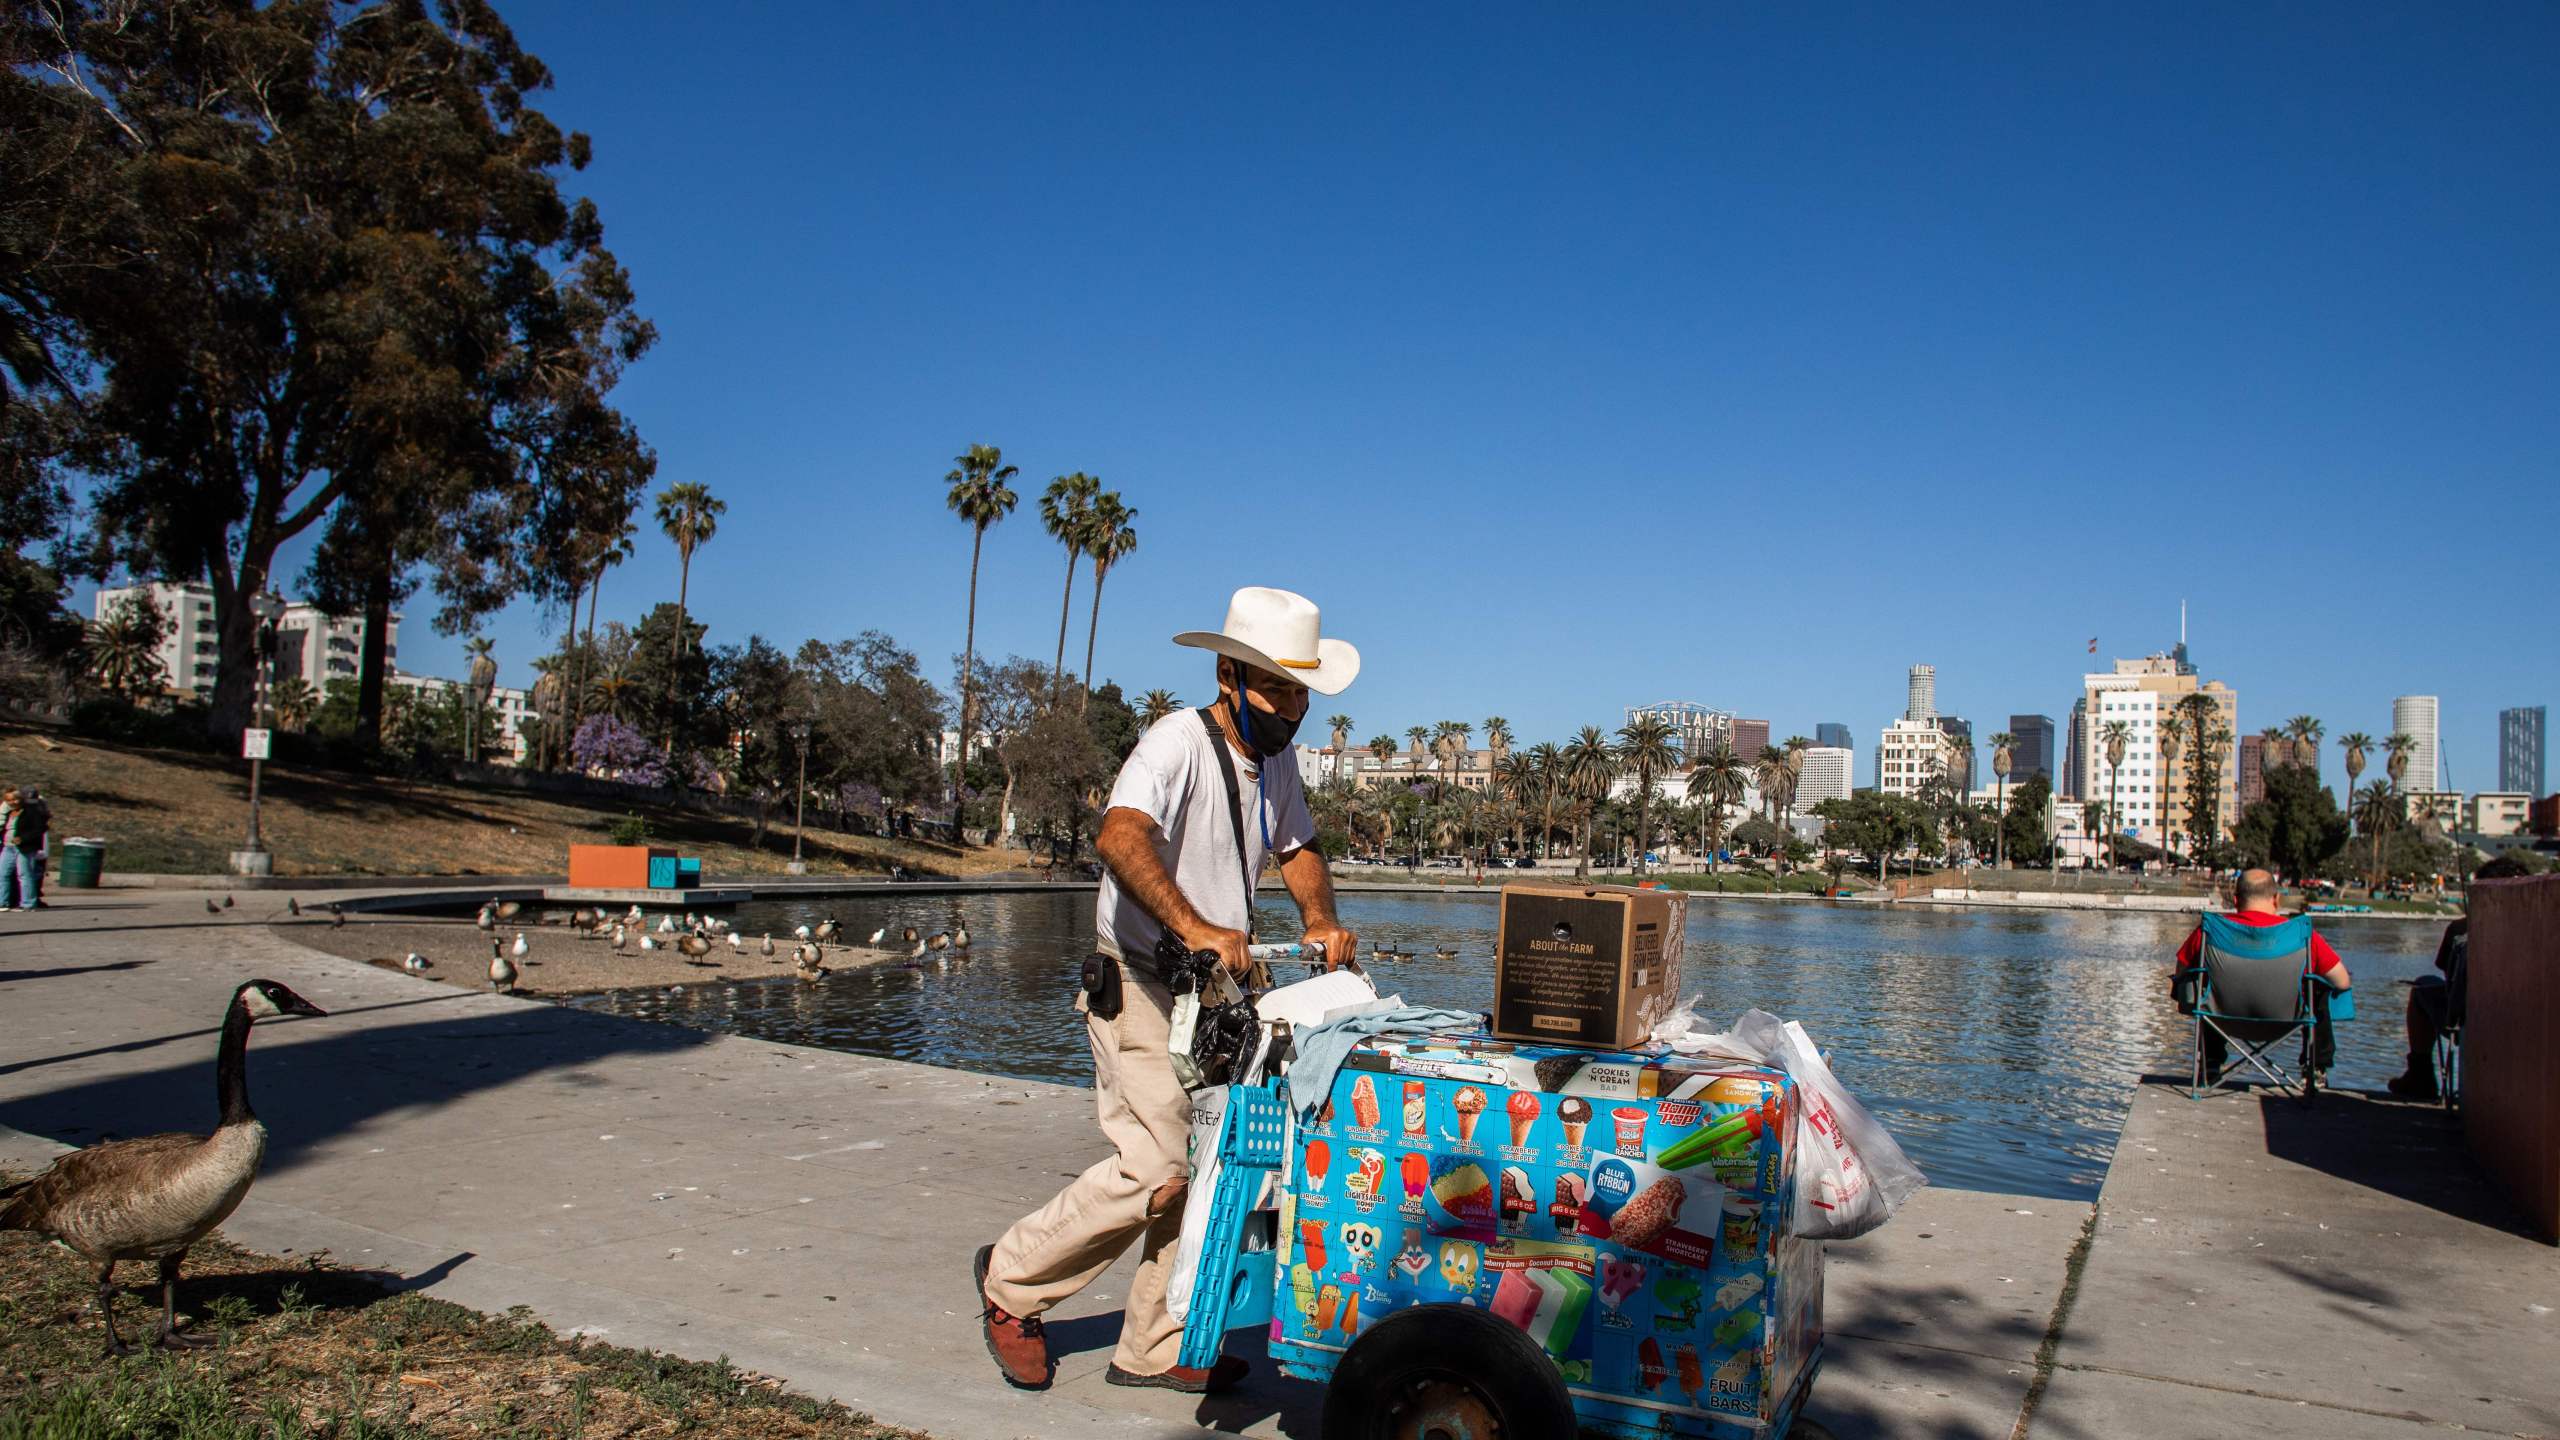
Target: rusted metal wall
{"points": [[2511, 1042]]}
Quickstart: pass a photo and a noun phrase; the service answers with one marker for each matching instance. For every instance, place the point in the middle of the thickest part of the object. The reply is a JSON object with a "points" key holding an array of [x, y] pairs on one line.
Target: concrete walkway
{"points": [[809, 1214]]}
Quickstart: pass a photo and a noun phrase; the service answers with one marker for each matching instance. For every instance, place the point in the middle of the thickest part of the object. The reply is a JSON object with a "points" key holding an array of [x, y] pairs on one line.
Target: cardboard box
{"points": [[1595, 965], [611, 867], [1524, 1180]]}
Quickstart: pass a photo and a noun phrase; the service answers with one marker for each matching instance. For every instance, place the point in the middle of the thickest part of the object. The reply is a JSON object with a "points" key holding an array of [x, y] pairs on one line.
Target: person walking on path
{"points": [[1205, 801], [2257, 896], [23, 818]]}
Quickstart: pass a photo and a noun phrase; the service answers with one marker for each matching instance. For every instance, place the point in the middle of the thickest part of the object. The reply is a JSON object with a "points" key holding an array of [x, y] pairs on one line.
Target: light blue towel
{"points": [[1323, 1048]]}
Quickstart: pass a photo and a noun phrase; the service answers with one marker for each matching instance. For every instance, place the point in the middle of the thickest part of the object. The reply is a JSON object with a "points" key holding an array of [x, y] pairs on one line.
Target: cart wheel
{"points": [[1446, 1372]]}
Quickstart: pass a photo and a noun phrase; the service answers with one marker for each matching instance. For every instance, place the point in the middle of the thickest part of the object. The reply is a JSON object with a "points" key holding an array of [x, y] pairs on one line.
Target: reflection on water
{"points": [[2000, 1048]]}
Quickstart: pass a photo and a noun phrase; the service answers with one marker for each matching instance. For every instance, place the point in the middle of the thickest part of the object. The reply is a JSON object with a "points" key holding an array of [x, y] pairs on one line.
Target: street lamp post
{"points": [[800, 796], [253, 858]]}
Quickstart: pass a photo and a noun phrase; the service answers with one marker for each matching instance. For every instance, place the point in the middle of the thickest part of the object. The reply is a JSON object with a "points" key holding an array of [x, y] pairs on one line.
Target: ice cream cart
{"points": [[1471, 1237]]}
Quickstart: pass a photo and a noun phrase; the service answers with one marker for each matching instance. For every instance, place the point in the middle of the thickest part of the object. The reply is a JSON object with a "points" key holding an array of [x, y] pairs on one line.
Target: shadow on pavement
{"points": [[313, 1080], [2408, 1151], [8, 975]]}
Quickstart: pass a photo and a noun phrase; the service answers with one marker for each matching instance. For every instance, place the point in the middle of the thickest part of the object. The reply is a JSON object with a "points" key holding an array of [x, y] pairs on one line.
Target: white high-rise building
{"points": [[308, 643], [1908, 754], [2415, 717], [2148, 793], [1923, 703], [1825, 777]]}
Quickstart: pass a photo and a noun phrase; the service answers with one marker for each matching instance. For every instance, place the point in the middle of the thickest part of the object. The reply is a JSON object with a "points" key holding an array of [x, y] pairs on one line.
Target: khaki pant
{"points": [[1136, 1192]]}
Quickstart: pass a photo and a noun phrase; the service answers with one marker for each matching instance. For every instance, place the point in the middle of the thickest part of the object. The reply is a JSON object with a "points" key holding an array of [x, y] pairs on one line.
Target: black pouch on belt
{"points": [[1102, 986]]}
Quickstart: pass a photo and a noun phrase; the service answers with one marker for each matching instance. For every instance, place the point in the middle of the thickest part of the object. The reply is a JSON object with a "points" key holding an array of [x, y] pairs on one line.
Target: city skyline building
{"points": [[1921, 702], [1826, 776], [1750, 737], [2075, 751], [2030, 747], [1908, 755], [2148, 791], [1831, 734], [1696, 729], [2520, 750], [2416, 716], [2253, 770]]}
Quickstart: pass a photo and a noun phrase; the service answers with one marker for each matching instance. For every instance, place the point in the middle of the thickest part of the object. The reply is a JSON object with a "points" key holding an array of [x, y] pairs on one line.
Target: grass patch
{"points": [[309, 1352]]}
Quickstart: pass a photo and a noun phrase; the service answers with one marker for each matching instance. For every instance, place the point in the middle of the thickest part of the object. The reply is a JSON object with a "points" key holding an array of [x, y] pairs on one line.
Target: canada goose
{"points": [[1445, 953], [519, 949], [959, 934], [585, 919], [508, 909], [828, 929], [416, 964], [648, 943], [153, 1197], [502, 971], [693, 946], [768, 944], [487, 919], [938, 942], [877, 934], [800, 931], [910, 936]]}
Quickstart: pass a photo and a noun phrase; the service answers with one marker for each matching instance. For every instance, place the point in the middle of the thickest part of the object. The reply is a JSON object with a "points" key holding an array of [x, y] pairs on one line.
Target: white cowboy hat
{"points": [[1282, 632]]}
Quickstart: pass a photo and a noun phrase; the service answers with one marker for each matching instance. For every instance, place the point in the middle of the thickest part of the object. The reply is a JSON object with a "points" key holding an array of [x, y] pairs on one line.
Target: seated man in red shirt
{"points": [[2257, 897]]}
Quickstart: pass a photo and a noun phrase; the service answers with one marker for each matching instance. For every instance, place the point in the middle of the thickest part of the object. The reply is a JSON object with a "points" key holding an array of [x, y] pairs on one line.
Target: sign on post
{"points": [[253, 744]]}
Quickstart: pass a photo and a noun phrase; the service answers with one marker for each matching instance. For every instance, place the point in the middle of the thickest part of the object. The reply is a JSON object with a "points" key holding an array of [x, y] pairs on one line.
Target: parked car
{"points": [[1447, 862]]}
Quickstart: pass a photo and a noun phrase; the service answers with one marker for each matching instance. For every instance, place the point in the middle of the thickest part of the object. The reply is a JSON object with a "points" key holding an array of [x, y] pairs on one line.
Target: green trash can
{"points": [[82, 861]]}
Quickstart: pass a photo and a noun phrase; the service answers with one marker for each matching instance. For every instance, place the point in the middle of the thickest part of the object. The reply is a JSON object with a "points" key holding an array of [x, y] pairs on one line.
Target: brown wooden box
{"points": [[1594, 965]]}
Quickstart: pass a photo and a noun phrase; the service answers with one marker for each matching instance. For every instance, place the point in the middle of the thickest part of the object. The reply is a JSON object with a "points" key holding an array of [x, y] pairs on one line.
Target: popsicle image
{"points": [[1319, 1160], [1351, 1311], [1737, 1292], [1311, 1243], [1693, 1376], [1732, 1133], [1469, 1103], [1649, 1363], [1737, 1327], [1328, 1300], [1368, 1173], [1736, 1368], [1417, 1173], [1364, 1103], [1523, 1112], [1302, 1288]]}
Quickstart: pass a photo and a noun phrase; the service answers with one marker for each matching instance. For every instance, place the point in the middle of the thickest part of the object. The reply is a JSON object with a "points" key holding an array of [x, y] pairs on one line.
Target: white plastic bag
{"points": [[1850, 1175], [1686, 1033]]}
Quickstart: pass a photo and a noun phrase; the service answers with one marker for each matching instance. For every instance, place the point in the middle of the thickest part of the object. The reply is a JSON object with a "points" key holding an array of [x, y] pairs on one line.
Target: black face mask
{"points": [[1267, 731]]}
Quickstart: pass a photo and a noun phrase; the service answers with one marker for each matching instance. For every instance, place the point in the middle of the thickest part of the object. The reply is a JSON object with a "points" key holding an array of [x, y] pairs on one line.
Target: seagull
{"points": [[621, 937], [519, 948], [634, 915], [877, 934], [416, 963], [648, 943], [801, 931], [666, 924], [502, 971], [737, 942], [918, 952], [487, 919], [768, 944]]}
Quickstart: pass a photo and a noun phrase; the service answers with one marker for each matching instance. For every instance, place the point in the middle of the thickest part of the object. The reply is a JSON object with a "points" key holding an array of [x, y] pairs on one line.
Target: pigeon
{"points": [[502, 971], [416, 964], [292, 907], [876, 935], [226, 902], [210, 908]]}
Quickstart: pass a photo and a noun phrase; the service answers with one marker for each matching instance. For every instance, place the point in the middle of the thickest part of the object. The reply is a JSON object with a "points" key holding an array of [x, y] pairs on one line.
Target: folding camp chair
{"points": [[2253, 986], [2449, 1033]]}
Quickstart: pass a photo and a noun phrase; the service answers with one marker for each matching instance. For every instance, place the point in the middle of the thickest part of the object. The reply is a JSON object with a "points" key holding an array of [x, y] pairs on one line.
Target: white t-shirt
{"points": [[1172, 778]]}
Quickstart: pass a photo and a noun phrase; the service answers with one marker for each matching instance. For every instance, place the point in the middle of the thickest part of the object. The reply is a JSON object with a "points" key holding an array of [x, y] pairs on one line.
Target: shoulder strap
{"points": [[1235, 808]]}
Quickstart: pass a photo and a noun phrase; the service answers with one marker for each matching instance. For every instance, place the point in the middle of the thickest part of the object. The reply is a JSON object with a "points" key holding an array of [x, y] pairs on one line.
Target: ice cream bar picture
{"points": [[1518, 1199], [1522, 1109], [1549, 1304], [1319, 1160], [1328, 1300], [1574, 1113], [1417, 1173], [1311, 1243], [1364, 1103], [1566, 1212], [1649, 1360], [1368, 1174], [1730, 1134], [1737, 1292], [1693, 1376], [1737, 1327]]}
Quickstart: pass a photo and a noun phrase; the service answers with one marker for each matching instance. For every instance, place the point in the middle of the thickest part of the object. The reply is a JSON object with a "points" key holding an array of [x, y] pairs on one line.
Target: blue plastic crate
{"points": [[688, 870], [1233, 1286], [662, 872]]}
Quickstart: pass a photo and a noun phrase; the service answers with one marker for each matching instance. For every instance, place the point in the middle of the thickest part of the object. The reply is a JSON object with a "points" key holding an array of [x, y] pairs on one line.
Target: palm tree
{"points": [[2304, 731], [1157, 704], [1589, 765], [981, 495], [1769, 769], [1449, 741], [2093, 817], [2378, 809], [124, 649], [293, 700], [1717, 782], [1384, 747], [2170, 731], [1108, 538], [2396, 751], [1497, 744], [1546, 762], [2357, 744], [1417, 734], [1516, 779], [1340, 725], [1066, 507], [1644, 746], [2003, 750], [2116, 734], [690, 515], [609, 548]]}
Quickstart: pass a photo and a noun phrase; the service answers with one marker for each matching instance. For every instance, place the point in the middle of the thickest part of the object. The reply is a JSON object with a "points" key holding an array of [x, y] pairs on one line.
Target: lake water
{"points": [[2001, 1049]]}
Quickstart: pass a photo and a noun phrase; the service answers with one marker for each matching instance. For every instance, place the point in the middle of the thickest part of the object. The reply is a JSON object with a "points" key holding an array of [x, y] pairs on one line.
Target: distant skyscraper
{"points": [[2075, 751], [1750, 737], [1923, 704], [1832, 735], [2031, 750], [2415, 717], [2253, 769], [1825, 777], [1956, 726], [2520, 750]]}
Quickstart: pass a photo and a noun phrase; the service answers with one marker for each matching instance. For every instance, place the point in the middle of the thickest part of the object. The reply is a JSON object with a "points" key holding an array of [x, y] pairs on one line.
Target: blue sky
{"points": [[1577, 359]]}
